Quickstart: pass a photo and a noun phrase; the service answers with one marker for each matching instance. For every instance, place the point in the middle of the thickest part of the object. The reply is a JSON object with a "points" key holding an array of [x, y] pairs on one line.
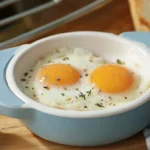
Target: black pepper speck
{"points": [[23, 79], [26, 74]]}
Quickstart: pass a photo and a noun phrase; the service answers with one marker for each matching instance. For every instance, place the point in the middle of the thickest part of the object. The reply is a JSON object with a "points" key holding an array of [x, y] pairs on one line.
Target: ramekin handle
{"points": [[10, 105], [141, 37]]}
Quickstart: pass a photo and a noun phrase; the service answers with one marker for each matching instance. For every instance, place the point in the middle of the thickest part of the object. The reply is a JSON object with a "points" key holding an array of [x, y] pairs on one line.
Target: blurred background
{"points": [[24, 21]]}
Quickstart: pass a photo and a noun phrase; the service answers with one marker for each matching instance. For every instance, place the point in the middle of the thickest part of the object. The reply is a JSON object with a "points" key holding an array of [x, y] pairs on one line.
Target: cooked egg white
{"points": [[78, 80]]}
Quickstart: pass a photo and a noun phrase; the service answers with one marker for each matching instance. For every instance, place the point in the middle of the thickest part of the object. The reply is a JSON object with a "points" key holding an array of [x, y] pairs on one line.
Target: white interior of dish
{"points": [[109, 46]]}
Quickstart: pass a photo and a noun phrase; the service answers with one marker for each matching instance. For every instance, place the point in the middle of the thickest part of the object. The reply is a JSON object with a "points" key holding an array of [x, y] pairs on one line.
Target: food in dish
{"points": [[76, 79]]}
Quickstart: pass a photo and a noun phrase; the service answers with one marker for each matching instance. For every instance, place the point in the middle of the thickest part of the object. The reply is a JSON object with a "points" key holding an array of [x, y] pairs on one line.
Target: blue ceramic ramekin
{"points": [[64, 126]]}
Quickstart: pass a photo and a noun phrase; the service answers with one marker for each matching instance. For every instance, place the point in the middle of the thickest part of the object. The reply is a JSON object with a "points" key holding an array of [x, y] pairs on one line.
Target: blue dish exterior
{"points": [[75, 131]]}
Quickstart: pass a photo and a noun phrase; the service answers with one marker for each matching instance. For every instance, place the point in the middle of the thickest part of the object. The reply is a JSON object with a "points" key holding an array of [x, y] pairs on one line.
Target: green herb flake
{"points": [[85, 106], [63, 94], [82, 95], [66, 58], [86, 75], [49, 61], [99, 105], [120, 62], [57, 51], [89, 92]]}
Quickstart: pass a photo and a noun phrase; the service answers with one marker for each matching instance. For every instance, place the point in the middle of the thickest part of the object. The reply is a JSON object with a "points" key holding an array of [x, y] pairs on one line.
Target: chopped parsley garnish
{"points": [[89, 92], [65, 58], [26, 87], [34, 95], [49, 61], [99, 105], [82, 95], [30, 76], [77, 89], [26, 74], [32, 88], [63, 94], [86, 75], [46, 87], [85, 106], [23, 79], [120, 62], [57, 51]]}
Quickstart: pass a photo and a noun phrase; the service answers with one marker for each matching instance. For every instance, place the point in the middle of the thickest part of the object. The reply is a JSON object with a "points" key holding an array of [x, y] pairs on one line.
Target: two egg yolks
{"points": [[108, 78]]}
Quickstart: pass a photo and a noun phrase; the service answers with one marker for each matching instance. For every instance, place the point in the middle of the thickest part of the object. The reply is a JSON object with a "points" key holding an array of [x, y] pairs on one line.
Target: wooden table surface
{"points": [[114, 18]]}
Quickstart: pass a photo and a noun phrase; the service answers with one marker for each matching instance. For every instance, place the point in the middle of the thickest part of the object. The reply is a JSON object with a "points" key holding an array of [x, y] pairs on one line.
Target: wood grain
{"points": [[113, 18], [14, 136]]}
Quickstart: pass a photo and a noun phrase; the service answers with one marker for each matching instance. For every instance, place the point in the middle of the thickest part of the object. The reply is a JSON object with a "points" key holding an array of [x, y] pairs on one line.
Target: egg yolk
{"points": [[58, 74], [112, 78]]}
